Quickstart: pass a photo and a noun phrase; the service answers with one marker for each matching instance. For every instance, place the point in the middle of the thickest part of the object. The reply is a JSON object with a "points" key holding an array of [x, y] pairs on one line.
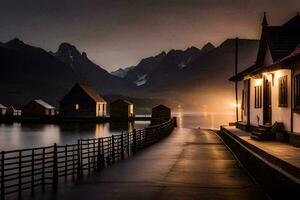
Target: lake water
{"points": [[17, 136]]}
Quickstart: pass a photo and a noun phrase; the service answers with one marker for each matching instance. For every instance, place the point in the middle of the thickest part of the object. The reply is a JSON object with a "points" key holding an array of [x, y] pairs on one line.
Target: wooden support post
{"points": [[236, 81], [2, 175], [55, 168]]}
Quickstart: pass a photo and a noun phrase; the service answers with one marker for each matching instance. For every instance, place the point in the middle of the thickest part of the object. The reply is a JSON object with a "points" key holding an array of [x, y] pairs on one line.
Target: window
{"points": [[77, 106], [297, 92], [243, 100], [283, 97], [257, 96]]}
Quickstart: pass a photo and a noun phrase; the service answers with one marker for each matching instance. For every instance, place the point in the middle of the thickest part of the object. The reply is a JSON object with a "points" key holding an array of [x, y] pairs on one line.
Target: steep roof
{"points": [[123, 100], [161, 106], [2, 106], [292, 57], [91, 92], [294, 22], [44, 104], [281, 40]]}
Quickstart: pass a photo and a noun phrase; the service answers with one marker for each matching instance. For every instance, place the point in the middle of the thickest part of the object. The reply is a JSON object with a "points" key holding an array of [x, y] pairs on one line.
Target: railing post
{"points": [[113, 147], [102, 154], [134, 141], [32, 172], [20, 175], [55, 169], [43, 170], [128, 144], [2, 176], [98, 156], [78, 159], [122, 146], [66, 161], [174, 122]]}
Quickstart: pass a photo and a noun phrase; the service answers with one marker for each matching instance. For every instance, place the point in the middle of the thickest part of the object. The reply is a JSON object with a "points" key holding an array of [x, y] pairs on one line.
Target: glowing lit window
{"points": [[77, 106]]}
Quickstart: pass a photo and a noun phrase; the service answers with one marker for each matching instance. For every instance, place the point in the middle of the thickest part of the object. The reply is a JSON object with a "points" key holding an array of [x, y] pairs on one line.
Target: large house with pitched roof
{"points": [[2, 110], [82, 101], [270, 88]]}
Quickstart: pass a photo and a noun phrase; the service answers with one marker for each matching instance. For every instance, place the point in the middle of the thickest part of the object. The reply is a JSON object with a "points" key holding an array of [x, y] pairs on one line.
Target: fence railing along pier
{"points": [[38, 168]]}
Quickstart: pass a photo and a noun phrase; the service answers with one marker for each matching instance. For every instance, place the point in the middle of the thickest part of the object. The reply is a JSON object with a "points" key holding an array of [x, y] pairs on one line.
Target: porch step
{"points": [[261, 135]]}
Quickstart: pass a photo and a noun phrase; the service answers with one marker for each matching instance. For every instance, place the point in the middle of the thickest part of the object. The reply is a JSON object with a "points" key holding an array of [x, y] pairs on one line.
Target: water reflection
{"points": [[205, 120], [16, 135]]}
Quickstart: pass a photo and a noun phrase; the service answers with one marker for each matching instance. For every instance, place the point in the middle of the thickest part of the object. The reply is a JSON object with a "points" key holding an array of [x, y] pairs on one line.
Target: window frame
{"points": [[297, 92], [258, 96], [283, 91]]}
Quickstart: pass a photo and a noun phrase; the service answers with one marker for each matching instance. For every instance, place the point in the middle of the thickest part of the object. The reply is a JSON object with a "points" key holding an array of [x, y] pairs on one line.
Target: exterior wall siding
{"points": [[120, 109], [86, 106], [296, 115], [256, 114], [281, 114]]}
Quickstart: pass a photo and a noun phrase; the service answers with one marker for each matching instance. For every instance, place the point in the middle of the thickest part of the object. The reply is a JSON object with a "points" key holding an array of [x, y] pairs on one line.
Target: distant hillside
{"points": [[193, 77], [30, 72], [91, 73]]}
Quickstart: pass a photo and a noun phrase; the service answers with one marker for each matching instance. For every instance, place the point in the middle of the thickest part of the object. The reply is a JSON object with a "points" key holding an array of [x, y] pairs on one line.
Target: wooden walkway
{"points": [[188, 164]]}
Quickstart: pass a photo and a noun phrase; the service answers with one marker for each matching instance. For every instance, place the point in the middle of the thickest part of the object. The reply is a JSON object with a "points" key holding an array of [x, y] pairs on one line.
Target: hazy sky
{"points": [[118, 33]]}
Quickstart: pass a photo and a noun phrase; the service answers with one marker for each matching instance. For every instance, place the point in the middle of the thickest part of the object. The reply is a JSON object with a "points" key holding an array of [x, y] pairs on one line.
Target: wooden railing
{"points": [[38, 168]]}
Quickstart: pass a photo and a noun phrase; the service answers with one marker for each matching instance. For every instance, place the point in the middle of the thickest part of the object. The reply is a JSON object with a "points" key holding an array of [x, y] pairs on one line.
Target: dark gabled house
{"points": [[270, 88], [82, 101], [11, 111], [2, 110], [121, 109], [38, 108], [161, 112]]}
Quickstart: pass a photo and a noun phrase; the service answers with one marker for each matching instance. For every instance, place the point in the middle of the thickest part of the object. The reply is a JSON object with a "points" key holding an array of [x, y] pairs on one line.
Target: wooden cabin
{"points": [[161, 112], [11, 111], [82, 101], [121, 109], [269, 90], [38, 108], [2, 110]]}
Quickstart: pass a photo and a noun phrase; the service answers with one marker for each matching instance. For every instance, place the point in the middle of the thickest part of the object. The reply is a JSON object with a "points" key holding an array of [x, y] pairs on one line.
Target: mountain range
{"points": [[30, 72], [188, 78], [193, 77]]}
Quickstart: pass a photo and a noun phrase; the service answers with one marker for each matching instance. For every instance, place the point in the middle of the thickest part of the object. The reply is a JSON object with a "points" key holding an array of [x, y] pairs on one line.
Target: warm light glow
{"points": [[77, 106], [236, 105], [278, 73], [258, 82], [131, 110]]}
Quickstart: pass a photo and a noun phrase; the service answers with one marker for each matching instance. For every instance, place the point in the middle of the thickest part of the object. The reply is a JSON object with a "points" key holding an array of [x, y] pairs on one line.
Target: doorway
{"points": [[267, 102]]}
